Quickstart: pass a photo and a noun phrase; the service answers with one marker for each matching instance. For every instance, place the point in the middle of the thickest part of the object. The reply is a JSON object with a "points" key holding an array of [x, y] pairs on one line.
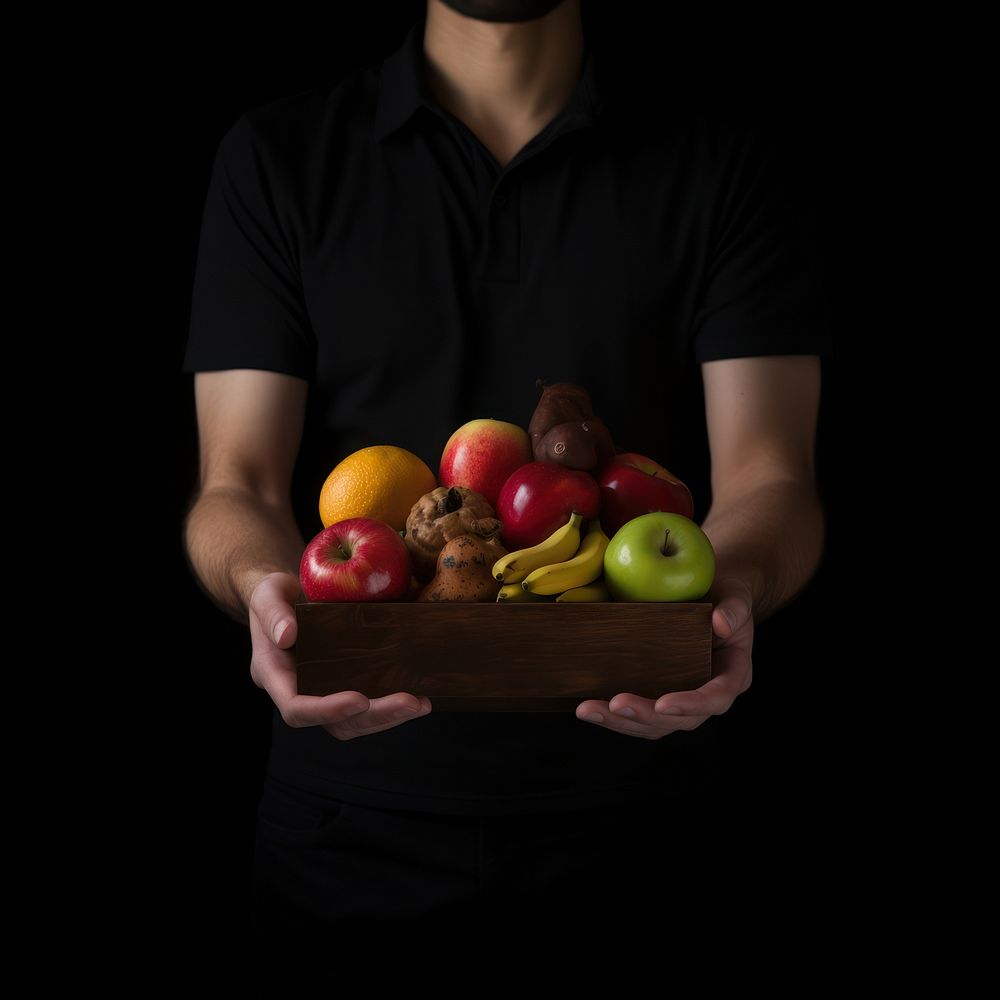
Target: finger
{"points": [[286, 632], [732, 677], [274, 670], [634, 708], [729, 616], [599, 713], [310, 710], [385, 713], [271, 668], [593, 710], [733, 607], [272, 603], [625, 726]]}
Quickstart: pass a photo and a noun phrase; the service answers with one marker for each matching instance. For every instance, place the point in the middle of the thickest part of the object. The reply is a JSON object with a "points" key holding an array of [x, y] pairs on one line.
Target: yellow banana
{"points": [[583, 568], [560, 545], [515, 592], [596, 591]]}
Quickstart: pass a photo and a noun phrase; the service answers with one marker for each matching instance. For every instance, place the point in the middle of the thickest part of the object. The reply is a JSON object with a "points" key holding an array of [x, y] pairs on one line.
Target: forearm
{"points": [[770, 535], [234, 539]]}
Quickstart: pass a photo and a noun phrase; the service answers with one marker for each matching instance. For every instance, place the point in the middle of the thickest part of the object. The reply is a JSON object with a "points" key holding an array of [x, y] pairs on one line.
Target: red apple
{"points": [[482, 454], [632, 485], [360, 559], [539, 497]]}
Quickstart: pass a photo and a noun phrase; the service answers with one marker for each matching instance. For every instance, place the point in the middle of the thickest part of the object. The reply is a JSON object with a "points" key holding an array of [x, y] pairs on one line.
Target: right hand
{"points": [[346, 714]]}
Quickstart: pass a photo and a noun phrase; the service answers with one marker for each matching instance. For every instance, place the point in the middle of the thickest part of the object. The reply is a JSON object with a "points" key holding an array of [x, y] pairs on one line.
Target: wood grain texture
{"points": [[503, 657]]}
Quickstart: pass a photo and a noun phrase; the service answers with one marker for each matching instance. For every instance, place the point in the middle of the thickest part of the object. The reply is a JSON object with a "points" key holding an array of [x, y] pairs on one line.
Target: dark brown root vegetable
{"points": [[560, 403]]}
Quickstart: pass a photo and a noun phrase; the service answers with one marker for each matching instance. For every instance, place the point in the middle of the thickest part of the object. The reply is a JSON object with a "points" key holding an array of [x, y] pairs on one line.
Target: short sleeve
{"points": [[247, 303], [764, 292]]}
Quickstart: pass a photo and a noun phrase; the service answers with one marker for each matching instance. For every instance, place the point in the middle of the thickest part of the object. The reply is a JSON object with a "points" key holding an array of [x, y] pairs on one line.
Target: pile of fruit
{"points": [[554, 513]]}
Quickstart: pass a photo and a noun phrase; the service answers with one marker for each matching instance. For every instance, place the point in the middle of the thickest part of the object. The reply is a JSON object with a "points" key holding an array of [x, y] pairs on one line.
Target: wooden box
{"points": [[507, 657]]}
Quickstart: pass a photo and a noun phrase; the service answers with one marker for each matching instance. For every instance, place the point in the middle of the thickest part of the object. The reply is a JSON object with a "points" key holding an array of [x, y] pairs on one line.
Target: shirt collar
{"points": [[402, 92]]}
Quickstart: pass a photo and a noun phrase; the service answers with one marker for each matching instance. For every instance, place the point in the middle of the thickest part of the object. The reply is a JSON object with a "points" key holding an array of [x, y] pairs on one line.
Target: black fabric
{"points": [[344, 893], [362, 238]]}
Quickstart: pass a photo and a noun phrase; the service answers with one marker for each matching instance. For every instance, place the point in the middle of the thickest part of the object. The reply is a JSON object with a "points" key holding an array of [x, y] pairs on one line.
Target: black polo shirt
{"points": [[361, 237]]}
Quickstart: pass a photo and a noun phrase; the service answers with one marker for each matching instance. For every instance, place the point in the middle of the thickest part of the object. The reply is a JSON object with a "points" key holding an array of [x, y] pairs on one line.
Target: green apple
{"points": [[659, 557]]}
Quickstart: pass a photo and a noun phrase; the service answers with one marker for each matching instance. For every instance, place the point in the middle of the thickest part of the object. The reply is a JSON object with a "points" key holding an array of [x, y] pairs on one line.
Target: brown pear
{"points": [[563, 429], [464, 570], [560, 403]]}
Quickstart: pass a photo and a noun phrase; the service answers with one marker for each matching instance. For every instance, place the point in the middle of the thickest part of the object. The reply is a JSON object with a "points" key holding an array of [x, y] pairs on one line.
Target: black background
{"points": [[803, 761]]}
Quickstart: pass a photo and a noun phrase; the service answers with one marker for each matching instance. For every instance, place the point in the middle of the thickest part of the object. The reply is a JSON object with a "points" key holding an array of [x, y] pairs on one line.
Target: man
{"points": [[409, 250]]}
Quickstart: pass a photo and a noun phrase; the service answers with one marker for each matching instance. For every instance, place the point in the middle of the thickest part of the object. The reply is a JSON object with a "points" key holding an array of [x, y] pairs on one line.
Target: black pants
{"points": [[351, 895]]}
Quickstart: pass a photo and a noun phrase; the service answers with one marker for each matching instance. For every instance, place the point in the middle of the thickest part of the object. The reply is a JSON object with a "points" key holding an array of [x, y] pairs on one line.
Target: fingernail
{"points": [[669, 710], [279, 632], [403, 713], [595, 717], [730, 617], [627, 712]]}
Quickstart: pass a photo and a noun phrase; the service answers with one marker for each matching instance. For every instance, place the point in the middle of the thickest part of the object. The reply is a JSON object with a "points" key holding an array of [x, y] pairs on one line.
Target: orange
{"points": [[382, 481]]}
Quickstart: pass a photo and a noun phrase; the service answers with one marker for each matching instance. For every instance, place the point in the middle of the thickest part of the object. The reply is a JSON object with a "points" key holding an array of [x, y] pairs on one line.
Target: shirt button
{"points": [[499, 201]]}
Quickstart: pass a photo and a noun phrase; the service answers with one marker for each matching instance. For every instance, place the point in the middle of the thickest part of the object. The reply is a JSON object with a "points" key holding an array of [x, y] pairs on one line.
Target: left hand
{"points": [[732, 669]]}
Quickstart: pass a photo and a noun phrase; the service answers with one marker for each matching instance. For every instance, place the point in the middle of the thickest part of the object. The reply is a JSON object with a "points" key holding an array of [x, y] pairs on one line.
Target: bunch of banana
{"points": [[561, 544], [583, 570], [561, 566]]}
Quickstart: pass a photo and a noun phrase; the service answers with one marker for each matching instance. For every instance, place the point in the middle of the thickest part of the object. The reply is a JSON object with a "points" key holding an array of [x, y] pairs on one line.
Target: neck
{"points": [[505, 81]]}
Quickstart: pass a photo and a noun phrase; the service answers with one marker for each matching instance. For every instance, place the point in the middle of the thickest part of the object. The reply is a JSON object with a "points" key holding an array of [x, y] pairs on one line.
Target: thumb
{"points": [[733, 601], [273, 604]]}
